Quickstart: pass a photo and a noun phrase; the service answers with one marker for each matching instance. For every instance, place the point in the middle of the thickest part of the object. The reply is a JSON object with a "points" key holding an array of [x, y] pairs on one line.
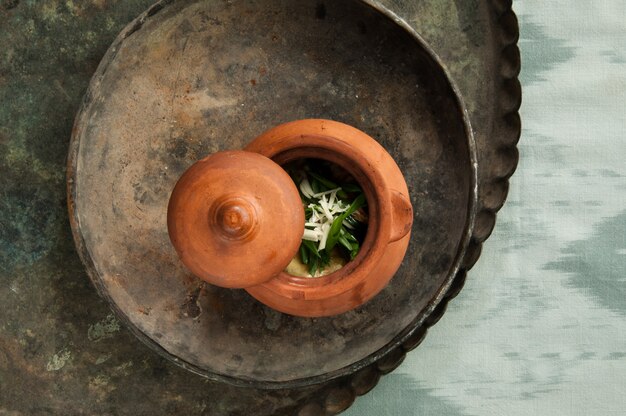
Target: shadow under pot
{"points": [[237, 218]]}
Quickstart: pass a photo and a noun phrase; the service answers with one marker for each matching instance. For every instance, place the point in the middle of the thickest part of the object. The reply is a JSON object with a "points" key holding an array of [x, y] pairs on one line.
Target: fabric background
{"points": [[540, 327]]}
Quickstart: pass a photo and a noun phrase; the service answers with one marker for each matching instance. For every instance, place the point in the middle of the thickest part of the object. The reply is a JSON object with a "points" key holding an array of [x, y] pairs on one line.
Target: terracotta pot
{"points": [[236, 218]]}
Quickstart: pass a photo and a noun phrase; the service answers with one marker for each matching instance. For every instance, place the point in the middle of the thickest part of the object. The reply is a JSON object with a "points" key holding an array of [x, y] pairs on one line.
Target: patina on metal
{"points": [[195, 78], [60, 349]]}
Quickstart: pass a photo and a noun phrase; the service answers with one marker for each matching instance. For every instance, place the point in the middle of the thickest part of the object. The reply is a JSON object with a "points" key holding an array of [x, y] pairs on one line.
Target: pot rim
{"points": [[354, 160]]}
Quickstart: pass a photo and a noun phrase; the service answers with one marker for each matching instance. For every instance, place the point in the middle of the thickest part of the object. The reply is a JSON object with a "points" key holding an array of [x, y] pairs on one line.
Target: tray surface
{"points": [[197, 78]]}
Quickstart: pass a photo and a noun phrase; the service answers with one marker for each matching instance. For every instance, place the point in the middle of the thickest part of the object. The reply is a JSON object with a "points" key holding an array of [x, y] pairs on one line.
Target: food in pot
{"points": [[335, 218]]}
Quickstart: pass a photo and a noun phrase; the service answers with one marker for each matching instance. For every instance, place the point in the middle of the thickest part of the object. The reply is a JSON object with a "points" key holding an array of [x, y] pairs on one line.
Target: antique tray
{"points": [[192, 79], [127, 97]]}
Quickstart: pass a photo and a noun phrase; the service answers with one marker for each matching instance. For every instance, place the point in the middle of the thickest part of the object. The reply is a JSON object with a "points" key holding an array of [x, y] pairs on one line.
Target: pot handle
{"points": [[402, 215]]}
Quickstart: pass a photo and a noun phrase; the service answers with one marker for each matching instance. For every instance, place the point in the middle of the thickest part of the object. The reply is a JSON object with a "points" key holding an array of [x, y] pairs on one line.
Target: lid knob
{"points": [[233, 217]]}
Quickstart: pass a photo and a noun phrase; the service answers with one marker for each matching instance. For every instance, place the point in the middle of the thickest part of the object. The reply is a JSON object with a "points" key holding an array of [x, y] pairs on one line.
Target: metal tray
{"points": [[173, 309]]}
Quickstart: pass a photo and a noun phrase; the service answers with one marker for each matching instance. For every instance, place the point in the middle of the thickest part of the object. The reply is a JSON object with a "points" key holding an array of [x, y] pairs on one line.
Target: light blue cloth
{"points": [[540, 327]]}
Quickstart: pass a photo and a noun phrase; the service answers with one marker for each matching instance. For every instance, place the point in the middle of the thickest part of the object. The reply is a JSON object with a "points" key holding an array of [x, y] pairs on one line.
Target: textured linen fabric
{"points": [[540, 327]]}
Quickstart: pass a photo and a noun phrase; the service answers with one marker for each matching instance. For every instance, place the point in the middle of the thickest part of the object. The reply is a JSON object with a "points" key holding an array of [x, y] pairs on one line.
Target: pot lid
{"points": [[235, 219]]}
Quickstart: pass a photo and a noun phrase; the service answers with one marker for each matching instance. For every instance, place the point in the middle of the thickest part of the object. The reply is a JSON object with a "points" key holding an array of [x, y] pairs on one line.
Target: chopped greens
{"points": [[331, 226]]}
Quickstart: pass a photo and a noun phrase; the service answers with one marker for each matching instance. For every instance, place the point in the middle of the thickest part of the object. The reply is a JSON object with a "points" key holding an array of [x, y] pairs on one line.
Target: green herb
{"points": [[327, 183], [338, 226], [329, 219]]}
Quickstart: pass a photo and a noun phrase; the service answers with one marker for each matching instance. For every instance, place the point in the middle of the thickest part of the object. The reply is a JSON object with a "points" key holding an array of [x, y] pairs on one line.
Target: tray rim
{"points": [[466, 257]]}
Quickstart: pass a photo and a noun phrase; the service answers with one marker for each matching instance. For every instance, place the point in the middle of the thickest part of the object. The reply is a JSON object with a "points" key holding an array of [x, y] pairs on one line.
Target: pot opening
{"points": [[336, 213]]}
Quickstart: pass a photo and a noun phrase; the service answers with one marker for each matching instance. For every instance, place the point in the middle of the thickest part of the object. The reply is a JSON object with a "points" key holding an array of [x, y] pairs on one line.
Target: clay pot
{"points": [[236, 219]]}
